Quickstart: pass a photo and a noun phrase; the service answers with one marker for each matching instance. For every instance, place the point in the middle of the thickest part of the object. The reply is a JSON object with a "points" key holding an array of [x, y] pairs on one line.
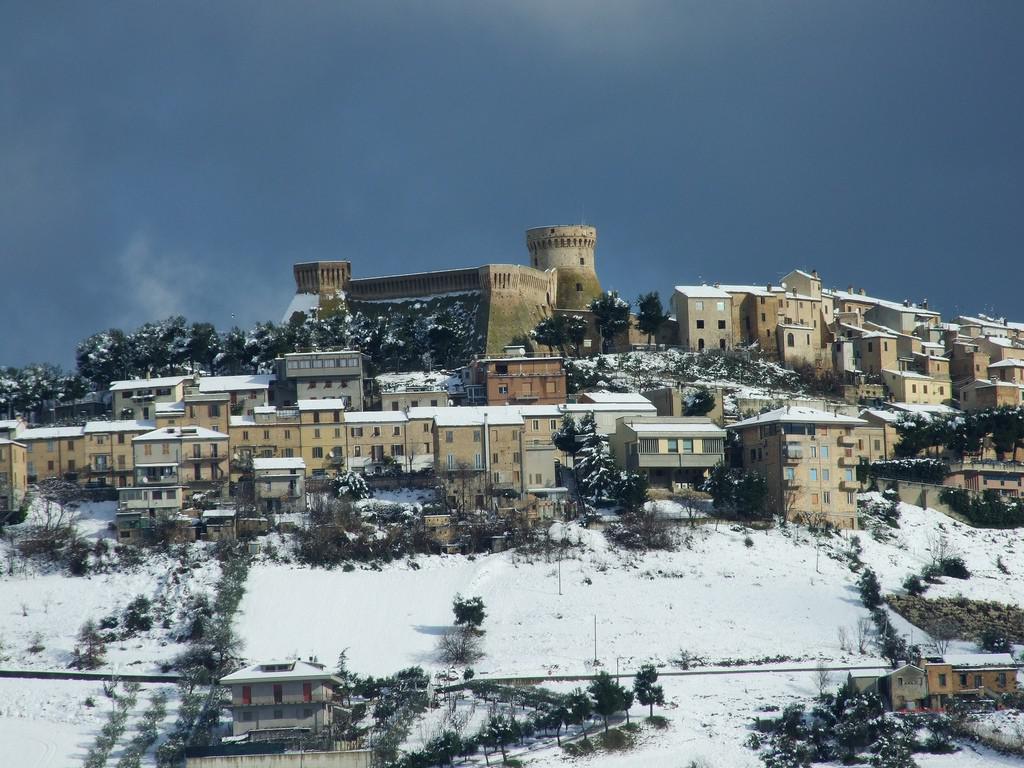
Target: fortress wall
{"points": [[415, 285]]}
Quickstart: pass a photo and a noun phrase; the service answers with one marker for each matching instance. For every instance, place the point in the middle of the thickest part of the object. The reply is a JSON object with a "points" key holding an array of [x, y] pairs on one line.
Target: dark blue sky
{"points": [[170, 157]]}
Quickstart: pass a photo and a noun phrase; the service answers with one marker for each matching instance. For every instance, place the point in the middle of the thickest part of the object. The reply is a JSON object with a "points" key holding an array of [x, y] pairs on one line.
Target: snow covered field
{"points": [[47, 724], [41, 604], [717, 599]]}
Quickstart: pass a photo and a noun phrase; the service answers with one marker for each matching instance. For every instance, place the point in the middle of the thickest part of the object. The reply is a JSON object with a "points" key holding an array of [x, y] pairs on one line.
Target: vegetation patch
{"points": [[975, 620]]}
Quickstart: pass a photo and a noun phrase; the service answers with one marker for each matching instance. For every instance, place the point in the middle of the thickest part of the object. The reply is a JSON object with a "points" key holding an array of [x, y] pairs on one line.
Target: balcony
{"points": [[790, 484], [158, 479], [849, 485], [637, 461], [849, 461], [792, 457], [335, 460], [849, 441]]}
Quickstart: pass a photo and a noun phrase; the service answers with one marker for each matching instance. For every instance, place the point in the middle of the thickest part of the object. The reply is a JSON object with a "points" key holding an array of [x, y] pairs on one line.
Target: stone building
{"points": [[561, 275]]}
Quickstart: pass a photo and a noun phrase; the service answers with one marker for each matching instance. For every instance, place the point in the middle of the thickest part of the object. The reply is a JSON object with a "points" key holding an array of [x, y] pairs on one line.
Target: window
{"points": [[814, 475], [245, 435], [700, 324], [942, 681], [449, 436], [266, 434], [699, 306], [720, 306], [396, 431], [357, 431], [247, 694], [318, 453], [503, 389], [214, 410], [673, 445], [790, 473], [700, 344], [977, 681], [824, 451], [376, 431], [963, 681], [789, 340], [721, 325], [246, 716], [307, 693], [687, 445], [848, 475], [476, 435], [814, 451], [1002, 679], [721, 343], [278, 694], [357, 451], [851, 497], [826, 497], [278, 714], [579, 287]]}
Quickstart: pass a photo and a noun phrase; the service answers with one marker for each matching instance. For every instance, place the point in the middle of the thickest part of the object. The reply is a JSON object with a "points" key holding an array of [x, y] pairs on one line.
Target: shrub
{"points": [[914, 585], [954, 567], [870, 589]]}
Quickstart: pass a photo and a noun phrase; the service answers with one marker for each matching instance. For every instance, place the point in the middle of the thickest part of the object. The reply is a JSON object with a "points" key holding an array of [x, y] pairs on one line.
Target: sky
{"points": [[162, 158]]}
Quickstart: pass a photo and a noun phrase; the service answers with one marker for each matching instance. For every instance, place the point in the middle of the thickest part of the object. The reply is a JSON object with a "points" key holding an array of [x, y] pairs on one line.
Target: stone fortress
{"points": [[561, 277]]}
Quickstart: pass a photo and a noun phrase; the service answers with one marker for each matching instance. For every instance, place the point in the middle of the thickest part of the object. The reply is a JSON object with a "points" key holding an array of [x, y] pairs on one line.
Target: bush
{"points": [[994, 641], [914, 585], [137, 617], [931, 471], [954, 567], [870, 589]]}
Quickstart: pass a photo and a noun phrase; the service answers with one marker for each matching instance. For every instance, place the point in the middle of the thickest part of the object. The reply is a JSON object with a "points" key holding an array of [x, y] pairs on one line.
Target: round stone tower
{"points": [[569, 250]]}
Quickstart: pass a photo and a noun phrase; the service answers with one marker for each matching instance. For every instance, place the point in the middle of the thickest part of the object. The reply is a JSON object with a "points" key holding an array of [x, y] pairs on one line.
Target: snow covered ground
{"points": [[41, 605], [47, 723], [717, 598]]}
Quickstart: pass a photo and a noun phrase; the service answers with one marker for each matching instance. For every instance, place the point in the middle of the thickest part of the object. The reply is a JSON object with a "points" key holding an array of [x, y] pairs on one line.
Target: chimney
{"points": [[718, 285], [768, 287], [849, 289], [924, 304], [814, 273], [863, 292], [906, 302]]}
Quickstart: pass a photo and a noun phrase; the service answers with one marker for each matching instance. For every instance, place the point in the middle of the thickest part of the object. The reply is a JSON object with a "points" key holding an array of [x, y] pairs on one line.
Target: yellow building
{"points": [[916, 388], [809, 460], [322, 435], [55, 452], [704, 314], [139, 398], [108, 450], [13, 475], [375, 440], [193, 457], [269, 433], [671, 452]]}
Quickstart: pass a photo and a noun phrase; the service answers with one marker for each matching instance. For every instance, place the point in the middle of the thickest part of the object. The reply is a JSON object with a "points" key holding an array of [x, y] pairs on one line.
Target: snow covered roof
{"points": [[905, 374], [467, 416], [164, 381], [5, 441], [1011, 363], [284, 670], [323, 404], [928, 408], [265, 409], [175, 407], [301, 302], [235, 383], [702, 292], [537, 411], [677, 428], [174, 433], [980, 660], [808, 275], [124, 425], [50, 433], [799, 414], [375, 417], [889, 416], [259, 464], [878, 335], [604, 396], [241, 421], [756, 290], [7, 424], [647, 407]]}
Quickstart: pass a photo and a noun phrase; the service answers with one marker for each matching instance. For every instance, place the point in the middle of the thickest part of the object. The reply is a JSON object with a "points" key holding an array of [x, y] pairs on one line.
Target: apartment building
{"points": [[245, 392], [335, 375], [971, 676], [982, 394], [140, 509], [108, 453], [54, 452], [209, 410], [279, 484], [906, 386], [322, 435], [137, 399], [13, 475], [809, 459], [704, 315], [514, 378], [755, 314], [479, 451], [268, 433], [1011, 370], [671, 452], [375, 440], [540, 422], [280, 695], [194, 457], [413, 397]]}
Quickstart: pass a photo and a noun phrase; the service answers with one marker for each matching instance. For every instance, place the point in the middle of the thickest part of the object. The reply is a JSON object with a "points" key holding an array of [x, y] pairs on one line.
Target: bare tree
{"points": [[822, 677], [459, 645], [863, 634], [844, 639], [942, 631]]}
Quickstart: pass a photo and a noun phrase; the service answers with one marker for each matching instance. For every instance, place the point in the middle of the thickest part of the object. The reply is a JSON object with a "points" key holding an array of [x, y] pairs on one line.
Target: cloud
{"points": [[157, 283]]}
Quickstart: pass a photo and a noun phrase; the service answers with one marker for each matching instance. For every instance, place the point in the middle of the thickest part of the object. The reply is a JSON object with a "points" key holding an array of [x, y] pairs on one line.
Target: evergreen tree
{"points": [[576, 328], [647, 693], [469, 612], [550, 332], [609, 697], [870, 589], [650, 314], [580, 708], [700, 402], [611, 314]]}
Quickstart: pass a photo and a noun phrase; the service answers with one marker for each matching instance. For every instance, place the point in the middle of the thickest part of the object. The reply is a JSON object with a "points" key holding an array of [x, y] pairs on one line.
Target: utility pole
{"points": [[595, 639]]}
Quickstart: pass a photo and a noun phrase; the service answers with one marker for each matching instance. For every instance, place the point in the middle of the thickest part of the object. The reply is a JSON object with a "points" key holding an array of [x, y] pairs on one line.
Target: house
{"points": [[606, 414], [671, 452], [413, 396], [194, 457], [983, 394], [13, 475], [280, 484], [245, 392], [138, 398], [287, 695], [336, 375], [908, 386], [704, 315], [515, 378], [375, 440], [322, 435], [907, 688], [109, 457], [972, 676], [269, 432], [142, 509], [809, 459], [755, 314], [54, 452], [1011, 370]]}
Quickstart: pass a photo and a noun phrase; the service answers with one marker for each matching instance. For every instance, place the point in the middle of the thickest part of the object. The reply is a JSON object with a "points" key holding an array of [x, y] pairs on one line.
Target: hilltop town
{"points": [[425, 517]]}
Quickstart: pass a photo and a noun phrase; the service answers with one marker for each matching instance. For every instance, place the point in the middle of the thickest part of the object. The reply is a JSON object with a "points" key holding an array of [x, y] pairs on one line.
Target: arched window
{"points": [[721, 343], [790, 341], [700, 344]]}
